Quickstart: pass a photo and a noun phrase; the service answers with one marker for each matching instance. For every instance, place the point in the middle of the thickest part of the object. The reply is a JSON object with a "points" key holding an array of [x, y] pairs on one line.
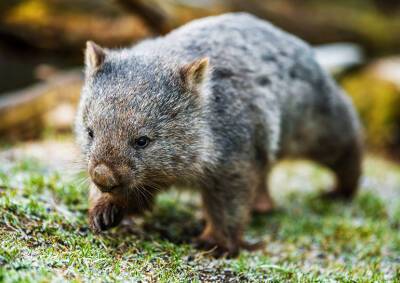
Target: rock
{"points": [[387, 69], [56, 154], [61, 118], [339, 57]]}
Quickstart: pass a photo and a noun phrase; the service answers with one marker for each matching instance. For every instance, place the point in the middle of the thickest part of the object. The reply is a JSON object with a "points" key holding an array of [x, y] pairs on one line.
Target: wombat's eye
{"points": [[142, 142], [90, 133]]}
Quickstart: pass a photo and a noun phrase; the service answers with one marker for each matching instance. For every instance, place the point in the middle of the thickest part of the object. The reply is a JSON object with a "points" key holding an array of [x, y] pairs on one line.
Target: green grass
{"points": [[44, 234]]}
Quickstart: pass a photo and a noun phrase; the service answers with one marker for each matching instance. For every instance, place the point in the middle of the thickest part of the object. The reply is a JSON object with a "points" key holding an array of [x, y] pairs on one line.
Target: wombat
{"points": [[213, 105]]}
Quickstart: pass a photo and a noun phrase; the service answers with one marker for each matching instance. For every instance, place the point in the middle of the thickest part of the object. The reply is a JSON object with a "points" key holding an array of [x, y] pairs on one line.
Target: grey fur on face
{"points": [[216, 103]]}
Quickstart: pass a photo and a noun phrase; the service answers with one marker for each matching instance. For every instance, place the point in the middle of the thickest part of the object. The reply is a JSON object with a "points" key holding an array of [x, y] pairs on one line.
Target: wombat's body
{"points": [[216, 124]]}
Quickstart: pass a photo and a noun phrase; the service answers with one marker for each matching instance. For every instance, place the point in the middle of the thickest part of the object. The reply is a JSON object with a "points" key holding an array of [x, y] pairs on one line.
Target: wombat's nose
{"points": [[103, 177]]}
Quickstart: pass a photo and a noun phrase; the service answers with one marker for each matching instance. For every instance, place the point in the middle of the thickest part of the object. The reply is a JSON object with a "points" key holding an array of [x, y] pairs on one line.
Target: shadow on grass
{"points": [[177, 223], [302, 215], [174, 222]]}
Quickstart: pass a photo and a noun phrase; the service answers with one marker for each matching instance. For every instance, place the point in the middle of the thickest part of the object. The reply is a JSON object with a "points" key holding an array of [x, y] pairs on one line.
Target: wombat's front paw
{"points": [[104, 216]]}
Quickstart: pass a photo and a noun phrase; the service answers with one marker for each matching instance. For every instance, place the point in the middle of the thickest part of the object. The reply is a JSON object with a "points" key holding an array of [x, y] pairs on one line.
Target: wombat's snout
{"points": [[103, 177]]}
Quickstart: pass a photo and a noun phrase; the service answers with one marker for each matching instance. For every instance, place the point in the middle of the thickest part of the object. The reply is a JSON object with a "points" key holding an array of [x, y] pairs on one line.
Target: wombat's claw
{"points": [[215, 249], [104, 217]]}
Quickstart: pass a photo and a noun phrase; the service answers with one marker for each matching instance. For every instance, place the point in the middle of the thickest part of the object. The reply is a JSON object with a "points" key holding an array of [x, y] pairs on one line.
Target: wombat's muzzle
{"points": [[104, 178]]}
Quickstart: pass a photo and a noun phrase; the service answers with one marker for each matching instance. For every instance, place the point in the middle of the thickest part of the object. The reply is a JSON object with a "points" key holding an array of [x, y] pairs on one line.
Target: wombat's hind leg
{"points": [[347, 170]]}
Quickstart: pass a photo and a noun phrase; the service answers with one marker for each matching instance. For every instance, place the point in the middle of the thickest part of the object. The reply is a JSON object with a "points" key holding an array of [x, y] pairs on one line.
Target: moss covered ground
{"points": [[44, 234]]}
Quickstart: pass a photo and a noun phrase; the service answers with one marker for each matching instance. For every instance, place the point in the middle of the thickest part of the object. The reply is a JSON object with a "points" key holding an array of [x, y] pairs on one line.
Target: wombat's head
{"points": [[140, 119]]}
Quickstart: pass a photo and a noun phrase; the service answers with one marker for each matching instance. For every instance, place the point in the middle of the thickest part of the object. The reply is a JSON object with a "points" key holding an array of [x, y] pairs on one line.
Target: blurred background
{"points": [[42, 41]]}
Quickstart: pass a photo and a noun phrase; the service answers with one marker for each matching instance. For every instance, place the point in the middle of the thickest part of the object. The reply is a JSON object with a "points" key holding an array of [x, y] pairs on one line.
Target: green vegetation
{"points": [[44, 234]]}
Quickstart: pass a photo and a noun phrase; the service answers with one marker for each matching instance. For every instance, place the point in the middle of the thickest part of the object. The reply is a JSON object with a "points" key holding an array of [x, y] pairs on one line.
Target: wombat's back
{"points": [[261, 77], [237, 41]]}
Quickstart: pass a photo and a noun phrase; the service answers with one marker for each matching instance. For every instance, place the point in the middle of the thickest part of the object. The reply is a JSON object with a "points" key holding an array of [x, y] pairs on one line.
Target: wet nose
{"points": [[104, 178]]}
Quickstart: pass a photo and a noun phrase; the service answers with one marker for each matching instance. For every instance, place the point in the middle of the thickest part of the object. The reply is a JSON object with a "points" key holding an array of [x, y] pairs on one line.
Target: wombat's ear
{"points": [[94, 56], [194, 73]]}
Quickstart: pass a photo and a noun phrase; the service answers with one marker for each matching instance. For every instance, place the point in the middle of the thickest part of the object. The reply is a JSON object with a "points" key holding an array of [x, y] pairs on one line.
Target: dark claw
{"points": [[97, 226], [114, 212], [214, 249], [106, 216]]}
